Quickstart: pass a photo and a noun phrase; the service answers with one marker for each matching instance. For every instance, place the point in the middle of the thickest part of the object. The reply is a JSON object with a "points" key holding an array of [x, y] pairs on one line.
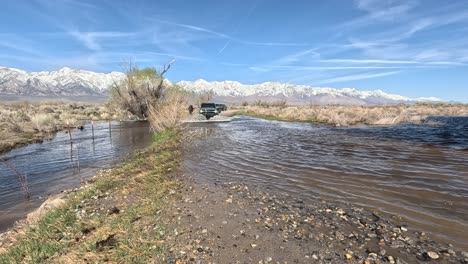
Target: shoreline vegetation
{"points": [[339, 115], [113, 218], [25, 123]]}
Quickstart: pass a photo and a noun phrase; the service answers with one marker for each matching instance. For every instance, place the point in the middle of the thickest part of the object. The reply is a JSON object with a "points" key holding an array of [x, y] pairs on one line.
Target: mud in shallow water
{"points": [[416, 172]]}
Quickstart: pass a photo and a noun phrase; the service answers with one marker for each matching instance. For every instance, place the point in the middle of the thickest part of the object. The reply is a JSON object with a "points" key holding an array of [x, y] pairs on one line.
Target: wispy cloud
{"points": [[377, 61], [86, 39], [451, 63], [357, 77], [175, 56], [195, 28], [268, 68], [379, 11], [368, 61], [293, 61], [227, 37], [91, 40], [234, 64], [305, 55], [240, 22], [435, 53], [18, 44], [80, 3]]}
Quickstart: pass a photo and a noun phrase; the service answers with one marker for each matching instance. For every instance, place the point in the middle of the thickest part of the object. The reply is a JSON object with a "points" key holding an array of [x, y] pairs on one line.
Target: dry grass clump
{"points": [[9, 121], [355, 115], [44, 123], [169, 111]]}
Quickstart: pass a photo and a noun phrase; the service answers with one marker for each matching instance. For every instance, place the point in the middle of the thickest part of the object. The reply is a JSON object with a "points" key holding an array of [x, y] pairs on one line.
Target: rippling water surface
{"points": [[418, 172], [55, 164]]}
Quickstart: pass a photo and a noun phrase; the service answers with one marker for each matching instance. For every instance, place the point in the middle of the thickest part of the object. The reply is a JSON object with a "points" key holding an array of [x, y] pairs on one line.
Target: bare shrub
{"points": [[140, 89], [279, 103], [46, 109], [267, 104], [44, 123], [204, 97], [22, 178], [146, 94]]}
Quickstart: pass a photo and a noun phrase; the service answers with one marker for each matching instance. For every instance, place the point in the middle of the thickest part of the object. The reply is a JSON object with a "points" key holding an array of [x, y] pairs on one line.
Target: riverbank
{"points": [[146, 211], [115, 217], [352, 115], [25, 123], [227, 222]]}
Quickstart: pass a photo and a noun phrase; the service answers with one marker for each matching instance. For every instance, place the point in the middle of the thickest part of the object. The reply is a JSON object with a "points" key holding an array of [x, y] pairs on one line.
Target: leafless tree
{"points": [[204, 97]]}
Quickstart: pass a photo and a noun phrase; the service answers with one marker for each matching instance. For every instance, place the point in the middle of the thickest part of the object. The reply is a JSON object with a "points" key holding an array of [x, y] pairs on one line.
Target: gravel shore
{"points": [[230, 223]]}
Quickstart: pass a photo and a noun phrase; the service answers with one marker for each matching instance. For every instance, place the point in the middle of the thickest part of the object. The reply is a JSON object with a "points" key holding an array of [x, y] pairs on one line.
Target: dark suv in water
{"points": [[221, 107], [209, 110]]}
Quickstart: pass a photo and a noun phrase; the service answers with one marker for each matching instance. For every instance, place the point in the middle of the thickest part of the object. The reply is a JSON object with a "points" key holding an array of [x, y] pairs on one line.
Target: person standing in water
{"points": [[190, 109]]}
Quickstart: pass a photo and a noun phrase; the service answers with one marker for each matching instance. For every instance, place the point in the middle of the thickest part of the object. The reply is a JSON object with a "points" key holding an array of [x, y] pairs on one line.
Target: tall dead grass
{"points": [[355, 115], [169, 111]]}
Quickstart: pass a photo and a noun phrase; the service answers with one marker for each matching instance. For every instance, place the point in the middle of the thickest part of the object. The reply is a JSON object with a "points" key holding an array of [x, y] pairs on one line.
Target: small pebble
{"points": [[432, 255]]}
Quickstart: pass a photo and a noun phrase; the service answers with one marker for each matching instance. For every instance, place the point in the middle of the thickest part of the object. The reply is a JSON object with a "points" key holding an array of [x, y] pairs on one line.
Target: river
{"points": [[56, 165], [416, 172]]}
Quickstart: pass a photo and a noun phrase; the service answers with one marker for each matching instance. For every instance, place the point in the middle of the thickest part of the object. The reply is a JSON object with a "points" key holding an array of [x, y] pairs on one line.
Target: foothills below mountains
{"points": [[73, 82]]}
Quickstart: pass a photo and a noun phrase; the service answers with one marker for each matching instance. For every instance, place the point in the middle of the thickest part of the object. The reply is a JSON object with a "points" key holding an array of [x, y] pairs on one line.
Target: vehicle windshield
{"points": [[208, 105]]}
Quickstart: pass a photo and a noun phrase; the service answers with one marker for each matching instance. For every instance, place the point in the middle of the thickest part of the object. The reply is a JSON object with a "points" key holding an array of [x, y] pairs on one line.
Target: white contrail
{"points": [[238, 25]]}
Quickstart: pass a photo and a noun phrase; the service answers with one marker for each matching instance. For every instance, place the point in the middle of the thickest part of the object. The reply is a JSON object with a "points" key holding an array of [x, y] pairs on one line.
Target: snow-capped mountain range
{"points": [[294, 93], [63, 82], [73, 82]]}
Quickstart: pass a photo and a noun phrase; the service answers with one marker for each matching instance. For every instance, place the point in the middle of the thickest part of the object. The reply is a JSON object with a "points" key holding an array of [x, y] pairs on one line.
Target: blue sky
{"points": [[413, 48]]}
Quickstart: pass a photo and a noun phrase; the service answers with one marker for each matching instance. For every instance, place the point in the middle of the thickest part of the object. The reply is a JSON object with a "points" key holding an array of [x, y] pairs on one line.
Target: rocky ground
{"points": [[230, 223]]}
